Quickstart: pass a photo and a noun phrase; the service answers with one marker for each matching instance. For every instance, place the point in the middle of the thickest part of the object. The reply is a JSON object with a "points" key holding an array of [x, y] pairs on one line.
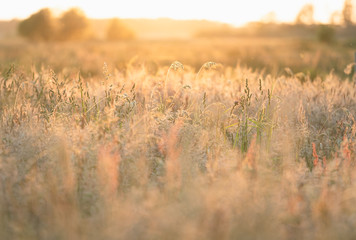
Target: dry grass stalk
{"points": [[315, 155], [108, 170], [173, 167], [250, 161]]}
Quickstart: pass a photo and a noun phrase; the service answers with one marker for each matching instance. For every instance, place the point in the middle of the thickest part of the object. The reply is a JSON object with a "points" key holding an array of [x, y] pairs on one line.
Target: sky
{"points": [[236, 12]]}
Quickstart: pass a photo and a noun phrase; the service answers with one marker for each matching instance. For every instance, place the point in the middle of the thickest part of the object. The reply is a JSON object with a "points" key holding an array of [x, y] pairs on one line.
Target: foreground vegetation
{"points": [[169, 151]]}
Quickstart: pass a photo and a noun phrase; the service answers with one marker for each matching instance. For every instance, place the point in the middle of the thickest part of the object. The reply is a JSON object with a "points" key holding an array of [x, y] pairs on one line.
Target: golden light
{"points": [[235, 12]]}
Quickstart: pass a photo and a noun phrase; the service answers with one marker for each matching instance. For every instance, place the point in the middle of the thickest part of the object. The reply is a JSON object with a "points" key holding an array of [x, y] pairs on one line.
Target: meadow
{"points": [[178, 139]]}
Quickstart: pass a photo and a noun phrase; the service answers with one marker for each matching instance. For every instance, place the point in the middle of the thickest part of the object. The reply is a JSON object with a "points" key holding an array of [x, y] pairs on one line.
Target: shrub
{"points": [[39, 26], [117, 31], [74, 25]]}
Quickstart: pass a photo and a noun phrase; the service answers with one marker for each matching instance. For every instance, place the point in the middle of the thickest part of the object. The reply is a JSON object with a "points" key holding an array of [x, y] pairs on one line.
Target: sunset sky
{"points": [[236, 12]]}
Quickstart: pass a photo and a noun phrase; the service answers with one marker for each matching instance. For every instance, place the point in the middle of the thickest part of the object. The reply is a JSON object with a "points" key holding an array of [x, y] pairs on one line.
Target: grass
{"points": [[217, 151], [270, 54]]}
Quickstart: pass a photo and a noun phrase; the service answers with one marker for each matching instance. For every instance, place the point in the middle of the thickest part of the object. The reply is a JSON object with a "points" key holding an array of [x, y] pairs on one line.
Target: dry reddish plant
{"points": [[250, 158], [346, 152], [108, 170], [173, 167], [315, 155]]}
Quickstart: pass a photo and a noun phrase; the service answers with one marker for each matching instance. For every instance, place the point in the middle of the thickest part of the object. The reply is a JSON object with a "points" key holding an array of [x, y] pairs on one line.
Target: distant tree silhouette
{"points": [[270, 17], [117, 31], [306, 15], [73, 25], [40, 26], [335, 18], [347, 12]]}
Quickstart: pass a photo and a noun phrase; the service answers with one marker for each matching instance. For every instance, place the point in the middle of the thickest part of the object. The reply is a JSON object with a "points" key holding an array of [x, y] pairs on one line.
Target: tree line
{"points": [[72, 25], [306, 15], [326, 33]]}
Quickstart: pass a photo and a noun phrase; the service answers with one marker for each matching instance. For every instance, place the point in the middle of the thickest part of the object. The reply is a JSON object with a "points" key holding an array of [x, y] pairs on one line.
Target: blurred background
{"points": [[311, 37]]}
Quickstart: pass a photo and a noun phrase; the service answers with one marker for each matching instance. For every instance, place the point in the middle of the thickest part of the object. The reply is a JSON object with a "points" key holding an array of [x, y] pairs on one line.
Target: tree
{"points": [[347, 12], [117, 31], [270, 17], [39, 26], [306, 15], [335, 18], [74, 25]]}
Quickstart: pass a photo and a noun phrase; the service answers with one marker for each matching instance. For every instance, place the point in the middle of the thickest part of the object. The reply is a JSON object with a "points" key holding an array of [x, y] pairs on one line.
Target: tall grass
{"points": [[231, 153]]}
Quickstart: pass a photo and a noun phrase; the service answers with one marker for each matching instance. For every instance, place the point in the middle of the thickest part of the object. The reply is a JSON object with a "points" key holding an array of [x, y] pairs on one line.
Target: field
{"points": [[242, 138]]}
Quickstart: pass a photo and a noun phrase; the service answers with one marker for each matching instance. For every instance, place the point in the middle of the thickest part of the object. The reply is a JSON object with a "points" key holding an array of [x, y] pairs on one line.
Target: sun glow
{"points": [[235, 12]]}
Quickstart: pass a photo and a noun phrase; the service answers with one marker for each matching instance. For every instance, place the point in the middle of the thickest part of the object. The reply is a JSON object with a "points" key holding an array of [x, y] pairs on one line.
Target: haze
{"points": [[234, 12]]}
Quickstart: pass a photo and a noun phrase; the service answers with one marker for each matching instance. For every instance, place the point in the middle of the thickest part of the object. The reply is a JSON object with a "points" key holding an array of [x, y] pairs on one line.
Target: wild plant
{"points": [[249, 151]]}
